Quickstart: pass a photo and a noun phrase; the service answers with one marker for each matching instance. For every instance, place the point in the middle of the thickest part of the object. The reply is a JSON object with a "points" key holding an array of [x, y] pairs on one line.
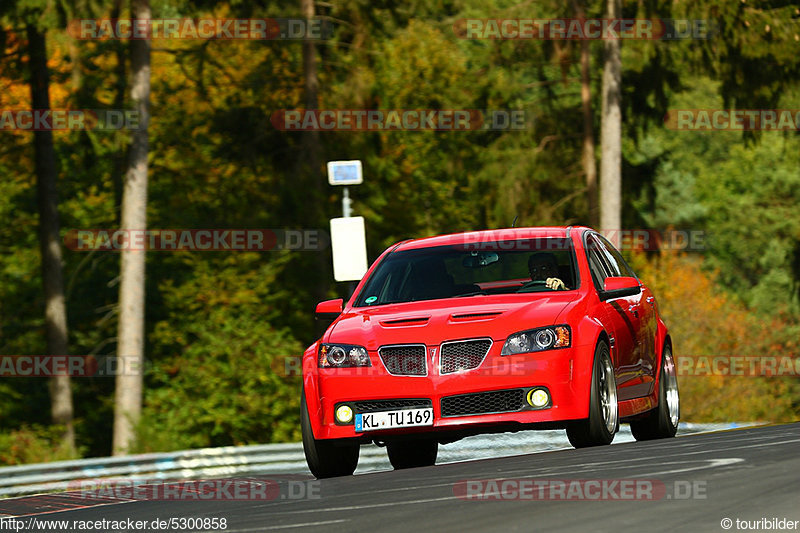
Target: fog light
{"points": [[344, 414], [538, 398]]}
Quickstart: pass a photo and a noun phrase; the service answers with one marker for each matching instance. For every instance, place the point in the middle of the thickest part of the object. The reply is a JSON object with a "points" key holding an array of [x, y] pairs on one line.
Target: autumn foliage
{"points": [[708, 324]]}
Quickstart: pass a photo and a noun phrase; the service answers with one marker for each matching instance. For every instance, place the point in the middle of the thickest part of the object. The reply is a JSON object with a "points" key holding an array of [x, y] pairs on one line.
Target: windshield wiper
{"points": [[387, 302]]}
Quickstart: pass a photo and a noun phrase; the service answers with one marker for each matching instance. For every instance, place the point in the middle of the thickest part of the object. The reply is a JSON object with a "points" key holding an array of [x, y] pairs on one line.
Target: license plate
{"points": [[394, 419]]}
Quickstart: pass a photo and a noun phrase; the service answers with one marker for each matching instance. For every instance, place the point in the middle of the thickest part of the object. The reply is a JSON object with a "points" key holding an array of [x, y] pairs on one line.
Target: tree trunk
{"points": [[130, 343], [589, 167], [310, 60], [311, 143], [49, 239], [611, 160], [312, 150]]}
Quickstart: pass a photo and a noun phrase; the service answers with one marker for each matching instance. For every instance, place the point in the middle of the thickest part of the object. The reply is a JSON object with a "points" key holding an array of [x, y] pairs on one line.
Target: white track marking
{"points": [[287, 526]]}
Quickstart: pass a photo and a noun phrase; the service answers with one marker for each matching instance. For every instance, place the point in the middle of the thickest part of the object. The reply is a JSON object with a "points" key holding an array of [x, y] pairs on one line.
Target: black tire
{"points": [[603, 421], [662, 422], [412, 453], [329, 457]]}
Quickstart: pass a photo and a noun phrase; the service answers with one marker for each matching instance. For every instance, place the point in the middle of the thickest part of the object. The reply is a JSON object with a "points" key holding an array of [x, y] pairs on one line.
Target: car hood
{"points": [[434, 321]]}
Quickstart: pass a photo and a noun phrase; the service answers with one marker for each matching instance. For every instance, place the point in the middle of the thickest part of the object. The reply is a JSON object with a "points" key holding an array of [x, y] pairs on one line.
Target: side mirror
{"points": [[329, 309], [618, 287]]}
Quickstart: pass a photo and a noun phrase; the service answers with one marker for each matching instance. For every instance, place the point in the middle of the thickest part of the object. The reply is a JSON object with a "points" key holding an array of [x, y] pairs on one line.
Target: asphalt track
{"points": [[749, 474]]}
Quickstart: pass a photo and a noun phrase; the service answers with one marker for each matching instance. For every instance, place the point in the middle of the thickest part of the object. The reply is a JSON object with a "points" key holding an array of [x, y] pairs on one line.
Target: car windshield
{"points": [[476, 268]]}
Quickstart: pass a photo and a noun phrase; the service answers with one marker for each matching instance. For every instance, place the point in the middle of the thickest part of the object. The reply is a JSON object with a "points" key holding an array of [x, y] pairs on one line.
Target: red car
{"points": [[451, 336]]}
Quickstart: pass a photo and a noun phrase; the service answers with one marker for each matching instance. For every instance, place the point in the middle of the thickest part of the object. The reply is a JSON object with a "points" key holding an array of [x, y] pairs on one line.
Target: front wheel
{"points": [[412, 453], [662, 422], [326, 458], [603, 421]]}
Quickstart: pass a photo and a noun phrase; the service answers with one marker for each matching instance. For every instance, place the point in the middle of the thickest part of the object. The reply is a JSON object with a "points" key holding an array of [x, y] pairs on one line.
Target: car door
{"points": [[619, 322], [649, 320], [641, 307]]}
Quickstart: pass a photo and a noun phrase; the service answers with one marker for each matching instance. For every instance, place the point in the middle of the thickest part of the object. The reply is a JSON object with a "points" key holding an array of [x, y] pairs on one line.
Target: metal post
{"points": [[346, 203], [346, 210]]}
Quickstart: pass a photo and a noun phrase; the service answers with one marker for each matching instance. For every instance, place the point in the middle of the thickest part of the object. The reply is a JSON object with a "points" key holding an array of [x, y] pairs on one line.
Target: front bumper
{"points": [[562, 372]]}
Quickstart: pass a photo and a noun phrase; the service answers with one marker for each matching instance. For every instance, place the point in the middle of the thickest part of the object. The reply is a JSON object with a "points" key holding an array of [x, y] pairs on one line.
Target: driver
{"points": [[542, 266]]}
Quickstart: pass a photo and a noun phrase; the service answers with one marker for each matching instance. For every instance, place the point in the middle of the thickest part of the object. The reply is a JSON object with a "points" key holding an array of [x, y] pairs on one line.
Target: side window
{"points": [[598, 263], [617, 260]]}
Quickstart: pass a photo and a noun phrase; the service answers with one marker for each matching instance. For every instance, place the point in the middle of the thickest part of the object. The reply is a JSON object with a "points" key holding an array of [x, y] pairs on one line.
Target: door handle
{"points": [[633, 309]]}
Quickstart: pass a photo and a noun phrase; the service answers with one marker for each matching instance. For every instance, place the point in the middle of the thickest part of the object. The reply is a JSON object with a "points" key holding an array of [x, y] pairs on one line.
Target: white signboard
{"points": [[349, 246], [345, 172]]}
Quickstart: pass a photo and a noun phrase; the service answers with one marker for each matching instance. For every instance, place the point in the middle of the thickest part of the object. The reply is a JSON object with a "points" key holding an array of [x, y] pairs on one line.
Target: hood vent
{"points": [[466, 317], [402, 322]]}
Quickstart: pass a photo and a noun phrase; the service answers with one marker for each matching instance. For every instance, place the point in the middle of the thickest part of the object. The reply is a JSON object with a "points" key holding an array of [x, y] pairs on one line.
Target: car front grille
{"points": [[404, 359], [501, 401], [370, 406], [463, 355]]}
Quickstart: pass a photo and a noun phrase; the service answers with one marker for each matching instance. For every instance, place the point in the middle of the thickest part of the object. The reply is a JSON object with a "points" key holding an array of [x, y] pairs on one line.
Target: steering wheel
{"points": [[533, 283]]}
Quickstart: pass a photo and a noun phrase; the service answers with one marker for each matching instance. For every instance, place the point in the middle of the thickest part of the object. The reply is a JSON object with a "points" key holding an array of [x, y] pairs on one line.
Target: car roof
{"points": [[493, 235]]}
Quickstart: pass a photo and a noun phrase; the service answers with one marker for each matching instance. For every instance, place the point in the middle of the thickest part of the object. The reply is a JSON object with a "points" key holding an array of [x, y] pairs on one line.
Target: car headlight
{"points": [[342, 355], [537, 340]]}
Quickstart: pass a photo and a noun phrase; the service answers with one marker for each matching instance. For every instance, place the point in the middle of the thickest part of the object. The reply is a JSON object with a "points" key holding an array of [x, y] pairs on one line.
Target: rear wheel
{"points": [[412, 453], [329, 457], [662, 422], [603, 421]]}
